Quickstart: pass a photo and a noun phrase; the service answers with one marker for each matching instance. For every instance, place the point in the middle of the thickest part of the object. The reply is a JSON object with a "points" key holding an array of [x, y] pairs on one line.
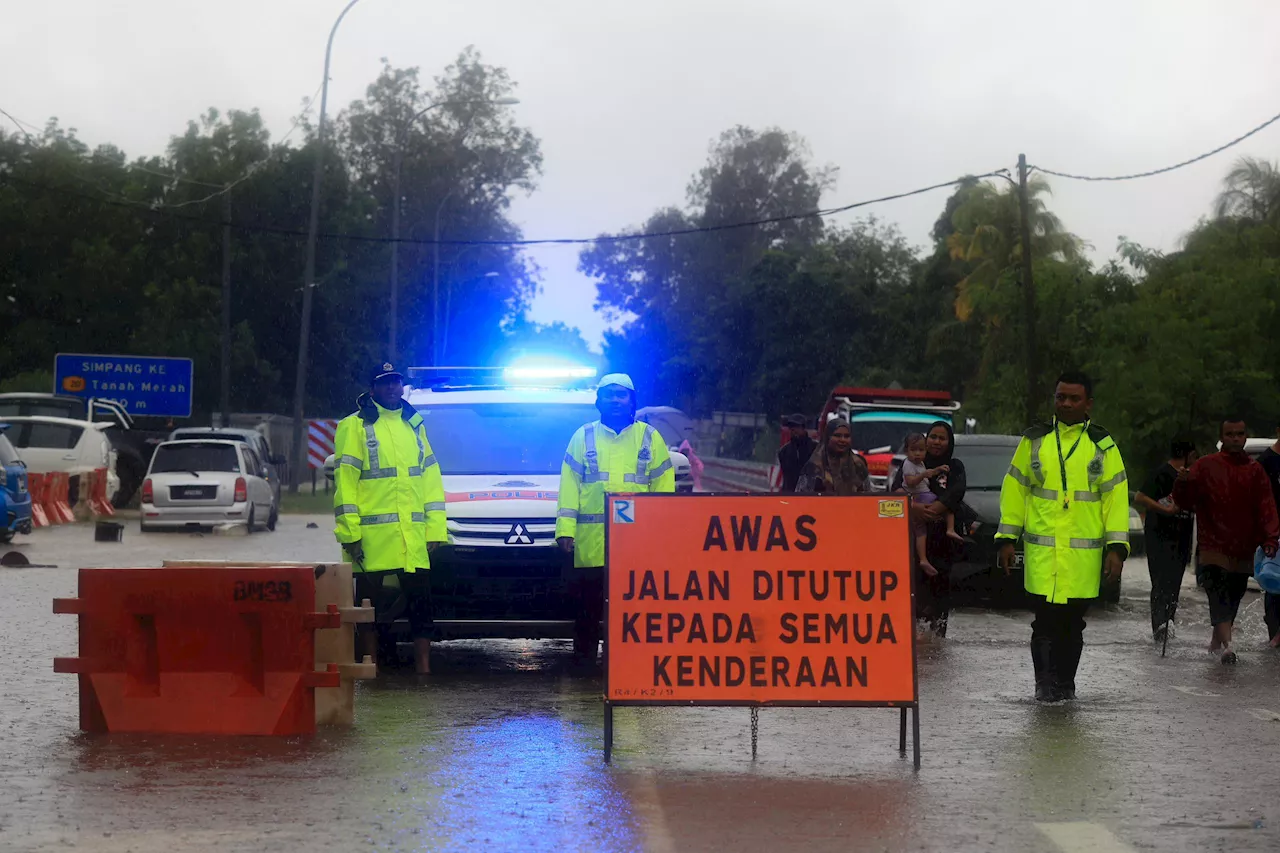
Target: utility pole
{"points": [[395, 254], [1028, 293], [309, 272], [224, 403]]}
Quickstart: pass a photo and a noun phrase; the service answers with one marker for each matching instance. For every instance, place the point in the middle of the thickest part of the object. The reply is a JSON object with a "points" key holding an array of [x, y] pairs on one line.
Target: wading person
{"points": [[792, 457], [1235, 515], [388, 506], [613, 455], [933, 597], [1065, 497], [1270, 462], [834, 469], [1168, 532]]}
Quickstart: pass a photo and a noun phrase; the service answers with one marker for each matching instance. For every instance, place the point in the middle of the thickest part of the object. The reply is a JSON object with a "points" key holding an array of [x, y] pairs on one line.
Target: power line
{"points": [[1203, 156], [165, 211], [19, 125]]}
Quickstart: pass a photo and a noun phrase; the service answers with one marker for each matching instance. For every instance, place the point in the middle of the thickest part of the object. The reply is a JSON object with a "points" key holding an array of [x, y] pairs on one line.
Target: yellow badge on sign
{"points": [[73, 383], [892, 509]]}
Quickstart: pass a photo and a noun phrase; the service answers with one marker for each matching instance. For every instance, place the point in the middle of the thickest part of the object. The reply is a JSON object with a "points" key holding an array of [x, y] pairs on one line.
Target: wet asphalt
{"points": [[500, 749]]}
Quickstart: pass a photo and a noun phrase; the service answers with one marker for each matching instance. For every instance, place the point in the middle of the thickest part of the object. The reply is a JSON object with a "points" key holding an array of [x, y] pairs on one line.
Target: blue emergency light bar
{"points": [[549, 372]]}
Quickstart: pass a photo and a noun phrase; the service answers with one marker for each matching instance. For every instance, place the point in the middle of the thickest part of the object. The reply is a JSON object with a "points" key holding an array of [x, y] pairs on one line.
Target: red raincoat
{"points": [[1235, 510]]}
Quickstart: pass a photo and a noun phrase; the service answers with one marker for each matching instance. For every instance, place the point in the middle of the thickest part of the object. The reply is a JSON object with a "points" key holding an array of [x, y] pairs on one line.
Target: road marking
{"points": [[1196, 691], [1264, 714], [1083, 837]]}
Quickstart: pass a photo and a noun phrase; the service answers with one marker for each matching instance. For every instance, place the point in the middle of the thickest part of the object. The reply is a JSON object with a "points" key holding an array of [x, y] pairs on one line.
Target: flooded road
{"points": [[500, 749]]}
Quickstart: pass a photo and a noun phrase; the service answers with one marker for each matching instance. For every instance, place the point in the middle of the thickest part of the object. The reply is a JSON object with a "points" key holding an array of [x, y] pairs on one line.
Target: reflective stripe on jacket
{"points": [[388, 494], [1063, 545], [600, 460]]}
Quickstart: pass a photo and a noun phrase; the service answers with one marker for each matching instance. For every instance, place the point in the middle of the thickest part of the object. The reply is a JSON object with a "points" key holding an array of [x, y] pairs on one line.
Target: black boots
{"points": [[1046, 676]]}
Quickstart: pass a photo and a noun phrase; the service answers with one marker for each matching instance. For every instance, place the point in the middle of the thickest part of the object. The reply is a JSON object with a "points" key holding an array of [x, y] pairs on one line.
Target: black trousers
{"points": [[398, 593], [1271, 612], [1167, 563], [1057, 640], [933, 594], [586, 594]]}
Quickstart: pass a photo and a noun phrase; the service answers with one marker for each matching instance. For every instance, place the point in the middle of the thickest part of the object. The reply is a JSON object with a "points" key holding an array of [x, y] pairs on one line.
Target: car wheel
{"points": [[250, 530], [273, 518], [142, 527]]}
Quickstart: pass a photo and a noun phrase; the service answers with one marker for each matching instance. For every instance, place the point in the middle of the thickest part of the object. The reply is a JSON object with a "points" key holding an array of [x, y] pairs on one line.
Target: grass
{"points": [[321, 503]]}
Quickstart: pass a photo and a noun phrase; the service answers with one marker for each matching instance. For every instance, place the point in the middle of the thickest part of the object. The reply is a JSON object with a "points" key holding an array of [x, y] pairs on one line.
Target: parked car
{"points": [[273, 463], [206, 482], [133, 439], [64, 446], [975, 576], [15, 499]]}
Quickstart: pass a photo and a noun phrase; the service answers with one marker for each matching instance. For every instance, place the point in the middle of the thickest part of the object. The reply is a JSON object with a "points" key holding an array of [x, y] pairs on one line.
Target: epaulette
{"points": [[1038, 431], [1099, 433]]}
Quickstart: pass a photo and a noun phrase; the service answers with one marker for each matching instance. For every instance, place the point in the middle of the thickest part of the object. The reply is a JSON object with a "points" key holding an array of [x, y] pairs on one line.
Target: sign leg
{"points": [[608, 732], [755, 731], [902, 732], [915, 731]]}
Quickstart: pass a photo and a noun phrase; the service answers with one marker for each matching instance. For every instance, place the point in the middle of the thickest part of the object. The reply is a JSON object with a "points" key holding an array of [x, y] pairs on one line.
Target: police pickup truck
{"points": [[500, 438]]}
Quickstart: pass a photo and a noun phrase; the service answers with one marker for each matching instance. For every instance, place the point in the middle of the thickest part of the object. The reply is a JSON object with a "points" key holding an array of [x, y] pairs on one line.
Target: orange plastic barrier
{"points": [[99, 500], [198, 651], [35, 486], [59, 496]]}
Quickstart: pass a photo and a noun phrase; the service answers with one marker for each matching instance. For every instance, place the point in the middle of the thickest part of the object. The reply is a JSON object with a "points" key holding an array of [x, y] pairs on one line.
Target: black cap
{"points": [[382, 371], [794, 421]]}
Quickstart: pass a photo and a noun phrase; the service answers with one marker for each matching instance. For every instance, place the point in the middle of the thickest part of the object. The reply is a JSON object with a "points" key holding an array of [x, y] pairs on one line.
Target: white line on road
{"points": [[1264, 714], [1083, 837], [1196, 691]]}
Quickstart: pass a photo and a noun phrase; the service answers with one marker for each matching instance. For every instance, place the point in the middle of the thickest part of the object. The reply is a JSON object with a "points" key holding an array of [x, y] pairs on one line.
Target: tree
{"points": [[1250, 190]]}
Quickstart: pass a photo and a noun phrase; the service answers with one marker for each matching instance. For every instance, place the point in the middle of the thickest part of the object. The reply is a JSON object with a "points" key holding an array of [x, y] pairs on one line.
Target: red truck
{"points": [[881, 418]]}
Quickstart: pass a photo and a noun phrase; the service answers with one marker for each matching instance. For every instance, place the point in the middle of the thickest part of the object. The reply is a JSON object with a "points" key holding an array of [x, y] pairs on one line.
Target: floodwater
{"points": [[500, 749]]}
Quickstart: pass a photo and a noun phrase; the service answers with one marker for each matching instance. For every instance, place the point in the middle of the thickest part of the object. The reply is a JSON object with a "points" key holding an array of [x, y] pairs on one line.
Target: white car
{"points": [[500, 450], [62, 445], [205, 482]]}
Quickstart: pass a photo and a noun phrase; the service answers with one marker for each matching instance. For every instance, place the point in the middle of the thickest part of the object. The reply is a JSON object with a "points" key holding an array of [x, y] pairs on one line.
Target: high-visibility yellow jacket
{"points": [[600, 460], [1065, 527], [388, 494]]}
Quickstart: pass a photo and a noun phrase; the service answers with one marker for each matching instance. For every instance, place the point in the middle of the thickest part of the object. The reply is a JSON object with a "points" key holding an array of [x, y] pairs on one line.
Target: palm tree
{"points": [[987, 234], [1251, 190]]}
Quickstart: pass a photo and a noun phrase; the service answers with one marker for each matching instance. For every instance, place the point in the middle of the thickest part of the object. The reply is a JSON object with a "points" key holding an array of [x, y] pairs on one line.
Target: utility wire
{"points": [[1203, 156], [19, 125], [560, 241]]}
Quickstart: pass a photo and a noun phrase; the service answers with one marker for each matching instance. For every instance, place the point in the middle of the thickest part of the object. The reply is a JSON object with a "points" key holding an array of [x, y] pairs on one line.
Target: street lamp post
{"points": [[309, 271], [397, 164]]}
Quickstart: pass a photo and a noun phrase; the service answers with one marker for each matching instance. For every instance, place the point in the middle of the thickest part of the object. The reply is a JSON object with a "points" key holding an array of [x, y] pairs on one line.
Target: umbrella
{"points": [[674, 424]]}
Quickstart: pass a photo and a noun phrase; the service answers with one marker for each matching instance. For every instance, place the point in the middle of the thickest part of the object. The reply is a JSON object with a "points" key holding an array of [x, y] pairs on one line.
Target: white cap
{"points": [[621, 379]]}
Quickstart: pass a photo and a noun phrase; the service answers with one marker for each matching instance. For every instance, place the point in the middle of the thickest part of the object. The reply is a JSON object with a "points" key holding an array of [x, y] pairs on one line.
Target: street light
{"points": [[309, 271], [401, 139]]}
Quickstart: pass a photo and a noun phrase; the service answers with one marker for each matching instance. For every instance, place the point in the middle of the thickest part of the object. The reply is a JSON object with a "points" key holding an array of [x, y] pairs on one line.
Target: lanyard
{"points": [[1062, 460]]}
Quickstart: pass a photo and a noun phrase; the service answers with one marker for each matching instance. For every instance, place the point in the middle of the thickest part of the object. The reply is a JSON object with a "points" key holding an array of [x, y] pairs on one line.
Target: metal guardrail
{"points": [[733, 475]]}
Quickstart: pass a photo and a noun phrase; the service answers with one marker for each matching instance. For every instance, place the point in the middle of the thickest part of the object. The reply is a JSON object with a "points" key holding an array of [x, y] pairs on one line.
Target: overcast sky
{"points": [[626, 97]]}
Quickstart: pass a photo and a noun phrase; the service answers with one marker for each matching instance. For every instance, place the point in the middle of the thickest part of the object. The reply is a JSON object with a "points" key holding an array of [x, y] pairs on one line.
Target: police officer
{"points": [[1065, 497], [388, 502], [616, 455]]}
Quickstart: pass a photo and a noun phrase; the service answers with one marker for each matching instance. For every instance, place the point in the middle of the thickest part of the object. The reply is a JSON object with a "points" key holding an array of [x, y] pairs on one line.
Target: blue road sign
{"points": [[142, 384]]}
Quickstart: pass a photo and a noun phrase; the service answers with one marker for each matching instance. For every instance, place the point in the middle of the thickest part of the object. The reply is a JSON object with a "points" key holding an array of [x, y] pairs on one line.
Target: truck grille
{"points": [[502, 532]]}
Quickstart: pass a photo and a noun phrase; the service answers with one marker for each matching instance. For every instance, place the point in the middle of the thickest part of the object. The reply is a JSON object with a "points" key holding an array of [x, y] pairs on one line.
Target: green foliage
{"points": [[88, 266]]}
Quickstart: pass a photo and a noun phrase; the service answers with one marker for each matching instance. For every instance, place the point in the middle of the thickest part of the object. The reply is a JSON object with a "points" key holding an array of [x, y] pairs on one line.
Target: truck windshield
{"points": [[195, 457], [503, 438], [875, 434]]}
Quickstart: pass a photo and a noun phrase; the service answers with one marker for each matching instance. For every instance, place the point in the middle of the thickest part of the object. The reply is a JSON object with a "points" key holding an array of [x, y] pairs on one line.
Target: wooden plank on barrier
{"points": [[759, 600], [335, 706]]}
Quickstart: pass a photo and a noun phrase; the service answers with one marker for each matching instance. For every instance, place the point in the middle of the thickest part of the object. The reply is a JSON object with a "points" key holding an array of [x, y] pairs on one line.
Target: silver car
{"points": [[205, 482]]}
